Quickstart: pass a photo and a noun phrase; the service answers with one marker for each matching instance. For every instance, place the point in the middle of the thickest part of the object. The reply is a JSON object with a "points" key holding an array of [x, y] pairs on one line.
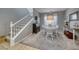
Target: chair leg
{"points": [[46, 36], [57, 34]]}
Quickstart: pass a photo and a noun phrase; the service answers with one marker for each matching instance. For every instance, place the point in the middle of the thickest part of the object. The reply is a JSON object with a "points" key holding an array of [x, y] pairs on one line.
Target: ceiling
{"points": [[46, 10]]}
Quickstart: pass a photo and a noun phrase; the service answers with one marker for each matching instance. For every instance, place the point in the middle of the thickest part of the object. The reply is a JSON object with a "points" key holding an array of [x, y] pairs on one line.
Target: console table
{"points": [[74, 25], [36, 28]]}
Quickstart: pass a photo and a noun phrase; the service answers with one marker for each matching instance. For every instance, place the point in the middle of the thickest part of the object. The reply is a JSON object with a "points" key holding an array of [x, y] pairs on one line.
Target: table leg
{"points": [[74, 44]]}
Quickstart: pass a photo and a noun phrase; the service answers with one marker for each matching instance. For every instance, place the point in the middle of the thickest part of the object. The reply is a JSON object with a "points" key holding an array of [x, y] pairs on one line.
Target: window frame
{"points": [[70, 19], [46, 19]]}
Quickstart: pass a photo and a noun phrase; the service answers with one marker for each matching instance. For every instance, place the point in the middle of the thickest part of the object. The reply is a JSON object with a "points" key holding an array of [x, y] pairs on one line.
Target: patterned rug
{"points": [[39, 41]]}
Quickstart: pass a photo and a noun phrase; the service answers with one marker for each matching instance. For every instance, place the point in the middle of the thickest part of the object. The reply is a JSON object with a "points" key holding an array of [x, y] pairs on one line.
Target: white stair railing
{"points": [[20, 29], [16, 27]]}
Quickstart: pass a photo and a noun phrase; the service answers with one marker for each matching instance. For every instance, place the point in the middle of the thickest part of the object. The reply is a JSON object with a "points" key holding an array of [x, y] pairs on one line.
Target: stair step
{"points": [[19, 27], [21, 24], [15, 30]]}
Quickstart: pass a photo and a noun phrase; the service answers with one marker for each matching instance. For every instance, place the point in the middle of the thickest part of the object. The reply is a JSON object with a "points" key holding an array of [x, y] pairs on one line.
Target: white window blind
{"points": [[50, 19]]}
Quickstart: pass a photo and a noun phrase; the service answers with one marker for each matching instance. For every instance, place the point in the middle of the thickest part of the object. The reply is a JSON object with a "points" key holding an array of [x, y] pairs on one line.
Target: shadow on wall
{"points": [[10, 14]]}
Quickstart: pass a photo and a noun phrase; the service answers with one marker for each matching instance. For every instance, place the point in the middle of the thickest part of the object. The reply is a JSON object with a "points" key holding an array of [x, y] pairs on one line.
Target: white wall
{"points": [[10, 14], [61, 18], [35, 13]]}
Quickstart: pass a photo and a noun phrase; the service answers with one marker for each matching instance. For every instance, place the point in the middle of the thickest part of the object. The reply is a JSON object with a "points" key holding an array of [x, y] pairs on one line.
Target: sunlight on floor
{"points": [[5, 46]]}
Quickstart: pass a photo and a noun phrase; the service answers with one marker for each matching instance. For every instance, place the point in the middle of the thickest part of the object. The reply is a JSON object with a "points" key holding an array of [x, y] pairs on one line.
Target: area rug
{"points": [[39, 41]]}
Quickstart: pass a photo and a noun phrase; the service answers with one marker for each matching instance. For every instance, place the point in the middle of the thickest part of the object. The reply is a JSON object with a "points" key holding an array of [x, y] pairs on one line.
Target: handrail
{"points": [[20, 20], [23, 28]]}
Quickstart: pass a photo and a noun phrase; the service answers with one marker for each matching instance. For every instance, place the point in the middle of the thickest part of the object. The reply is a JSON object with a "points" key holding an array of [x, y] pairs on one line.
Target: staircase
{"points": [[21, 29]]}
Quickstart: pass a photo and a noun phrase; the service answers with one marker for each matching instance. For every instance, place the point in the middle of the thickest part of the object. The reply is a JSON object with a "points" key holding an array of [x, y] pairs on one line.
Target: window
{"points": [[50, 19], [73, 16]]}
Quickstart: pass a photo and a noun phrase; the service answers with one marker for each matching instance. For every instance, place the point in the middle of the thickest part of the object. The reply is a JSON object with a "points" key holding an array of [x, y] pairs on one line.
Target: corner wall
{"points": [[35, 13]]}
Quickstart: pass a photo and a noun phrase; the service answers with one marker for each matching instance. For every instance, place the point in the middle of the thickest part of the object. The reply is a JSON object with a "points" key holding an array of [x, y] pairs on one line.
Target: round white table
{"points": [[49, 30]]}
